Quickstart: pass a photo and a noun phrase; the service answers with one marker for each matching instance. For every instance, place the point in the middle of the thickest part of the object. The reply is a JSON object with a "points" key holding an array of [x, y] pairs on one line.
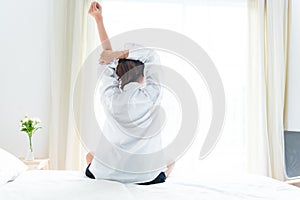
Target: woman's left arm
{"points": [[96, 12], [107, 54]]}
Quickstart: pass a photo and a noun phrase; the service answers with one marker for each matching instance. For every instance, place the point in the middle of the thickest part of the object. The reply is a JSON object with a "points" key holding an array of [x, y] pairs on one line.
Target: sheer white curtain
{"points": [[73, 38], [267, 77]]}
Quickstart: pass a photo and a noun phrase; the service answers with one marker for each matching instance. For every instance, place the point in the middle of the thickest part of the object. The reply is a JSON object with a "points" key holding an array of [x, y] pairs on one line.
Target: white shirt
{"points": [[132, 123]]}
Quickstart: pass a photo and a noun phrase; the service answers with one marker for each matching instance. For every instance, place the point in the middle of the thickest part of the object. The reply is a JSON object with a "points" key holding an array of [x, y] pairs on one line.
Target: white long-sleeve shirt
{"points": [[132, 124]]}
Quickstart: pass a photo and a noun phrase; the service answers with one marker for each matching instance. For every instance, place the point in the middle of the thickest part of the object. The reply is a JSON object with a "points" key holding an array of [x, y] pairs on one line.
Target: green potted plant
{"points": [[30, 126]]}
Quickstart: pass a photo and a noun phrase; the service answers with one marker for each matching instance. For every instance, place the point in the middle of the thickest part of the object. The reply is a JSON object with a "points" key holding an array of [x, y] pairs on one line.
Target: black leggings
{"points": [[161, 178], [88, 173]]}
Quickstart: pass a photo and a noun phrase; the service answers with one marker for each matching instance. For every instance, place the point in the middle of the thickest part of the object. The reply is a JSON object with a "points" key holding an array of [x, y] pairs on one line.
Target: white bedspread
{"points": [[74, 185]]}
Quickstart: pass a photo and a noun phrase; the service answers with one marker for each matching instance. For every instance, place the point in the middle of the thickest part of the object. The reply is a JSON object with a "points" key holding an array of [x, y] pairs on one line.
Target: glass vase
{"points": [[29, 155]]}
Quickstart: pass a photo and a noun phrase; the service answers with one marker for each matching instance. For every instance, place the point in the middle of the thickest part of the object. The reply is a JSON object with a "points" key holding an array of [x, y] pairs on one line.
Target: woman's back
{"points": [[134, 119]]}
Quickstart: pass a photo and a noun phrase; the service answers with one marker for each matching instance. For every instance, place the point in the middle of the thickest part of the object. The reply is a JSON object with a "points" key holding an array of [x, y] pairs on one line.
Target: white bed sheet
{"points": [[59, 185]]}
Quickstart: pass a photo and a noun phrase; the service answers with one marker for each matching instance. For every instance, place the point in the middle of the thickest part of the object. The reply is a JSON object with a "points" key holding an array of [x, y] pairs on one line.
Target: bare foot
{"points": [[169, 169], [89, 157]]}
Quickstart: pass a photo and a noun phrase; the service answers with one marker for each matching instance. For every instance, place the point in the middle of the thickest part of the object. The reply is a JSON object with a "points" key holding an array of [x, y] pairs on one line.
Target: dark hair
{"points": [[129, 71]]}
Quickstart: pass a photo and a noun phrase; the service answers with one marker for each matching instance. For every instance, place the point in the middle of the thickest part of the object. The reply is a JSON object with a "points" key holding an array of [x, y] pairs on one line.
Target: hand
{"points": [[96, 10], [107, 56]]}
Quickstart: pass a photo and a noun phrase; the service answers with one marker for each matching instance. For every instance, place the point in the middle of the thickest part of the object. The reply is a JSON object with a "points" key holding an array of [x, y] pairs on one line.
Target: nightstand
{"points": [[37, 164]]}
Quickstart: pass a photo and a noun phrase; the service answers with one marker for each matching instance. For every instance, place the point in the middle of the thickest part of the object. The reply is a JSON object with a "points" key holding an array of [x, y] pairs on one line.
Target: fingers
{"points": [[98, 6], [93, 7], [102, 62], [107, 56]]}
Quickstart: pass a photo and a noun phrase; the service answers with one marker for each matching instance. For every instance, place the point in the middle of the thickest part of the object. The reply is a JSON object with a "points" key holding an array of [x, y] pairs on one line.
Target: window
{"points": [[221, 29]]}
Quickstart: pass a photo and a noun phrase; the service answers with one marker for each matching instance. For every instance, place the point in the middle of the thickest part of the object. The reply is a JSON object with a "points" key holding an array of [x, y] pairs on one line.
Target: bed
{"points": [[18, 183], [47, 184]]}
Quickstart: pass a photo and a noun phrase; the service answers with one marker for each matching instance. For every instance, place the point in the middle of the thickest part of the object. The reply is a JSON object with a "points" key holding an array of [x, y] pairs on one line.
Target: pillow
{"points": [[10, 167]]}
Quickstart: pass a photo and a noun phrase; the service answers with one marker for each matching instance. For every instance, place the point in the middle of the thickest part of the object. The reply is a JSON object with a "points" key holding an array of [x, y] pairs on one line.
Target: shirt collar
{"points": [[132, 86]]}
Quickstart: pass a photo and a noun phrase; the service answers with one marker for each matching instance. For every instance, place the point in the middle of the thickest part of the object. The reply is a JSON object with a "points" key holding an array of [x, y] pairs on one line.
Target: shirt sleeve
{"points": [[109, 85]]}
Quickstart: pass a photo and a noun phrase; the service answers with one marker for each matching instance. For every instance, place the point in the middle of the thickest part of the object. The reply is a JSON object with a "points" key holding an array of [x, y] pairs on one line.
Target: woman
{"points": [[129, 92]]}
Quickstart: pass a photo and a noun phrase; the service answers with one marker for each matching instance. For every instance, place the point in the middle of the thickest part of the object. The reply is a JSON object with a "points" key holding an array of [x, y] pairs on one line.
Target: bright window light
{"points": [[221, 29]]}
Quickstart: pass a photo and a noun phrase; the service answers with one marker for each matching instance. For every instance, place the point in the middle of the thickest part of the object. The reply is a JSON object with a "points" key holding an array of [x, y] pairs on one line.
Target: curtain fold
{"points": [[72, 39], [268, 21]]}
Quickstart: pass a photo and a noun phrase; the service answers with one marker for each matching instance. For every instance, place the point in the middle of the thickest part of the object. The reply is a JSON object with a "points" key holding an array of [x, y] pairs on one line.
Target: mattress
{"points": [[74, 185]]}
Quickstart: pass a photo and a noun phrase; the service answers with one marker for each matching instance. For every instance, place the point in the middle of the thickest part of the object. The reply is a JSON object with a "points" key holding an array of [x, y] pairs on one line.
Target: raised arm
{"points": [[107, 55], [96, 12]]}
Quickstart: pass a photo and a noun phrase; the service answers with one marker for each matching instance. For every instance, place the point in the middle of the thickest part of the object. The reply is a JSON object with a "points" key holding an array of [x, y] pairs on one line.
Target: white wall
{"points": [[293, 101], [24, 73]]}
